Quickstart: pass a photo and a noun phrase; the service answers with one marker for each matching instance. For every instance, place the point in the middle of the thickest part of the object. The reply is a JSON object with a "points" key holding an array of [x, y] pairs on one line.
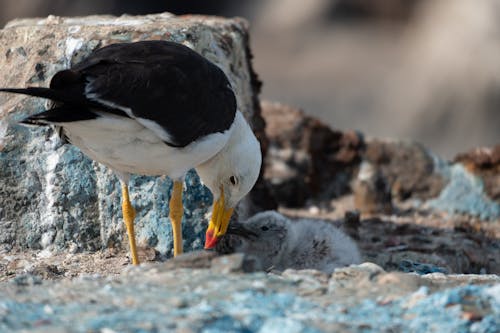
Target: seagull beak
{"points": [[218, 223]]}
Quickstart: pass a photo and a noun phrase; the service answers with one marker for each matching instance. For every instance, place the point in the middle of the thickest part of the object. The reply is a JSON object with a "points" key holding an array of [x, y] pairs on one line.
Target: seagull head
{"points": [[230, 175]]}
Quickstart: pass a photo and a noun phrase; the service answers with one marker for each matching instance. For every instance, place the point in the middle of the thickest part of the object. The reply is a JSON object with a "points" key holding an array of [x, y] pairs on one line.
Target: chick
{"points": [[279, 243]]}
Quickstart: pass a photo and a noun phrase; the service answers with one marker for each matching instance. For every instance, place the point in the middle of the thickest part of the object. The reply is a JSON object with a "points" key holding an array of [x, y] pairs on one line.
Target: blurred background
{"points": [[424, 70]]}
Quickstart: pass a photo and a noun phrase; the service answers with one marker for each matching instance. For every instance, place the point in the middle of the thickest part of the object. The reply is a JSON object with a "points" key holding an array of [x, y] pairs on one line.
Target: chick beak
{"points": [[218, 223], [239, 229]]}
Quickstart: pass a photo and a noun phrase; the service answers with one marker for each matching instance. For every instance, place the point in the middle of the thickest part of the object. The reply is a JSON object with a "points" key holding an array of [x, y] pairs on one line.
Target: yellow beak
{"points": [[218, 223]]}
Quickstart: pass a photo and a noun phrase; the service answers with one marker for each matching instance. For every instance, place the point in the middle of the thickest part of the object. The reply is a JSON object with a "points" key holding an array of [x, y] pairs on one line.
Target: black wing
{"points": [[167, 83]]}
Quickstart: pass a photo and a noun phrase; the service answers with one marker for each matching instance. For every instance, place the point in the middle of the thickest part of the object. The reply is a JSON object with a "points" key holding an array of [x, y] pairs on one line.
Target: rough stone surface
{"points": [[310, 164], [465, 193], [485, 163], [306, 159], [407, 166], [411, 172], [164, 298], [372, 190], [52, 195]]}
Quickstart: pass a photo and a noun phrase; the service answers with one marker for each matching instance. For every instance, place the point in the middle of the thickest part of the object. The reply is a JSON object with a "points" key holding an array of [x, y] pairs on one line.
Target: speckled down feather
{"points": [[280, 243]]}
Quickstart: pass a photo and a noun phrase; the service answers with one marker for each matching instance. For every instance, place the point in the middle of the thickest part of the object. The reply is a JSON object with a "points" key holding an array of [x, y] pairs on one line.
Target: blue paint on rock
{"points": [[54, 196], [150, 196], [464, 194], [423, 312], [255, 311]]}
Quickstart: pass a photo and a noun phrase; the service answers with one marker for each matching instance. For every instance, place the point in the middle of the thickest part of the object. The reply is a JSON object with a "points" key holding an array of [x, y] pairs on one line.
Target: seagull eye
{"points": [[264, 228], [233, 180]]}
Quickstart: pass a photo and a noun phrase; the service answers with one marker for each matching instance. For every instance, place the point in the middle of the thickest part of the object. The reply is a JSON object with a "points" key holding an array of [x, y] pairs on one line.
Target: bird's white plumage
{"points": [[127, 146]]}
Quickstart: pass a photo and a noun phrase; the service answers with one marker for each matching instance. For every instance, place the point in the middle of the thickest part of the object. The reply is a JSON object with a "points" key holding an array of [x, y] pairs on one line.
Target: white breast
{"points": [[125, 145]]}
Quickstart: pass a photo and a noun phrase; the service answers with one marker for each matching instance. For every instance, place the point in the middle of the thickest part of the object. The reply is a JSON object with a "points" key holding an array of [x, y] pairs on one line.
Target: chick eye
{"points": [[264, 228], [233, 180]]}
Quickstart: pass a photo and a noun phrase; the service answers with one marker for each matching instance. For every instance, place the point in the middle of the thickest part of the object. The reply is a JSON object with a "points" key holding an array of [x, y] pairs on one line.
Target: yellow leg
{"points": [[128, 217], [176, 213]]}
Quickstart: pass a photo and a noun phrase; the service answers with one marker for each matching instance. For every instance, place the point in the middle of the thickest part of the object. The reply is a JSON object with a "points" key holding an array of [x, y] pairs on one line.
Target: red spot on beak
{"points": [[210, 240]]}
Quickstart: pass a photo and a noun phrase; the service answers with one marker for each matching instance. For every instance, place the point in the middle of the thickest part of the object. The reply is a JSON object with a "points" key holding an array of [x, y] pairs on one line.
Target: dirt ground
{"points": [[411, 241]]}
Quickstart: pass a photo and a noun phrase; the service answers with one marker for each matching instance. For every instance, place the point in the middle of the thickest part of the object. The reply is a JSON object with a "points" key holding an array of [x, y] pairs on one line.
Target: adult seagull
{"points": [[156, 108]]}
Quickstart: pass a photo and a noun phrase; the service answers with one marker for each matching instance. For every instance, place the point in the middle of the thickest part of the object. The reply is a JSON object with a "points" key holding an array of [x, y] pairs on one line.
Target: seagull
{"points": [[156, 108], [279, 243]]}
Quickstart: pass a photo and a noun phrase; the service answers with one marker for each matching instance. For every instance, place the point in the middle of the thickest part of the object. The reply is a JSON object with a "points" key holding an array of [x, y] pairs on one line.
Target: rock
{"points": [[53, 196], [194, 259], [412, 172], [237, 262], [364, 271], [47, 271], [408, 168], [308, 282], [485, 163], [310, 164], [306, 159], [150, 299], [231, 263], [461, 279], [465, 194], [372, 193]]}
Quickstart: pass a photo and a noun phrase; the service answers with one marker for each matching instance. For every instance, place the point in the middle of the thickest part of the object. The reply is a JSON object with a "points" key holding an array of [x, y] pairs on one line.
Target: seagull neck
{"points": [[212, 170], [237, 133]]}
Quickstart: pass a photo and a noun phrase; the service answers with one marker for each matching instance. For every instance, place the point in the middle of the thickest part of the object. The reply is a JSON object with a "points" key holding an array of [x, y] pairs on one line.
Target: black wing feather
{"points": [[49, 93], [60, 114]]}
